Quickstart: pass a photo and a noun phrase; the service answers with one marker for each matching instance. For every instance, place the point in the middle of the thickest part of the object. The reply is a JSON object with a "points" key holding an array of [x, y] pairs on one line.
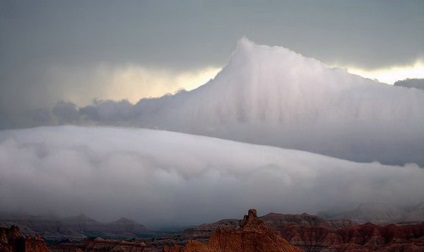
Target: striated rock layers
{"points": [[365, 237], [99, 244], [253, 235], [12, 240], [277, 222], [312, 233]]}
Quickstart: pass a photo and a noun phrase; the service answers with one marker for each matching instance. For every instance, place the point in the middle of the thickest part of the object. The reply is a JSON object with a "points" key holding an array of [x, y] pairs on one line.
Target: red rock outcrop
{"points": [[272, 232], [11, 240], [312, 233], [253, 235], [365, 237], [275, 221], [99, 244]]}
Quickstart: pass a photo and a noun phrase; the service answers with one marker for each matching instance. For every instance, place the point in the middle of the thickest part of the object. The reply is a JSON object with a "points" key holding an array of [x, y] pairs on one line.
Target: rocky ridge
{"points": [[382, 214], [75, 228], [100, 244], [364, 237], [253, 235], [307, 232], [275, 221], [11, 239], [313, 233]]}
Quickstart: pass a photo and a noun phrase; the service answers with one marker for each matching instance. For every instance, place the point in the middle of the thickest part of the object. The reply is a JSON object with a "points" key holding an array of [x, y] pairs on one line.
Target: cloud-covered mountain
{"points": [[161, 178], [274, 96]]}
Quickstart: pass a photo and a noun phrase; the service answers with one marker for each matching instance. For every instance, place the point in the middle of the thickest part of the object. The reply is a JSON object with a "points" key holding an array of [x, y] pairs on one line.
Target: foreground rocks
{"points": [[253, 235], [272, 232], [312, 233], [364, 237], [99, 244], [11, 240]]}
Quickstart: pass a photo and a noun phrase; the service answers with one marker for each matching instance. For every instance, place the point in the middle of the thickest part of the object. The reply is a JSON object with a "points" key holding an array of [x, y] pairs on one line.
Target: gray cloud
{"points": [[411, 83], [164, 178], [66, 112], [108, 111], [273, 96], [37, 35]]}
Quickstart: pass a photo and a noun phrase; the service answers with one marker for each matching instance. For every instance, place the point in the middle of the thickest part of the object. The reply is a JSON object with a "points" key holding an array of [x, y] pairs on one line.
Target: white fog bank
{"points": [[161, 178]]}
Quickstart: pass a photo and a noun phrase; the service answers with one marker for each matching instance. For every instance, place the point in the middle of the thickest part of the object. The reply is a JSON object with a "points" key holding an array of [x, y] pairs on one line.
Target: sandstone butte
{"points": [[11, 240], [253, 235]]}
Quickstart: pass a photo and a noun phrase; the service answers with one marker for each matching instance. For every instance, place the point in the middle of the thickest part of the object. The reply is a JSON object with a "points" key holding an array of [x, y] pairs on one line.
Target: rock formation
{"points": [[78, 227], [11, 240], [253, 235], [312, 233], [99, 244], [272, 232], [275, 221], [365, 237]]}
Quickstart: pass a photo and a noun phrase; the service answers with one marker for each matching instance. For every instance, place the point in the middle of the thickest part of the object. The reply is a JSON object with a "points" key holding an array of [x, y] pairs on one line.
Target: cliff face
{"points": [[365, 237], [74, 228], [277, 222], [11, 240], [100, 244], [312, 233], [253, 235], [272, 232]]}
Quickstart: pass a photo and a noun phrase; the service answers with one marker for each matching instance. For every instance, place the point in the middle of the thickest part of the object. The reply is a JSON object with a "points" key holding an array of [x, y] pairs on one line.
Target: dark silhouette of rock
{"points": [[76, 227], [11, 240]]}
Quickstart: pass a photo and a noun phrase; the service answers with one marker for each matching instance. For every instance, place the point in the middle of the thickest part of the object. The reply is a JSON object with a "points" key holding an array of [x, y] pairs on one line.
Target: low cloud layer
{"points": [[162, 179], [274, 96]]}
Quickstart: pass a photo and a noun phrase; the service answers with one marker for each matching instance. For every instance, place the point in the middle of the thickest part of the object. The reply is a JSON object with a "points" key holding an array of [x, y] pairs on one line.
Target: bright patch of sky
{"points": [[392, 74]]}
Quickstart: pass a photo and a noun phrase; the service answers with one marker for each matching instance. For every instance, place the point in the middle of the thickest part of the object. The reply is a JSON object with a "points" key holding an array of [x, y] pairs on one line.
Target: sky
{"points": [[276, 77], [78, 51]]}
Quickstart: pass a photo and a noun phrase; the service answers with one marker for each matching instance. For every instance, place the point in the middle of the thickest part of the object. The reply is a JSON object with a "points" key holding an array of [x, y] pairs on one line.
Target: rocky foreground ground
{"points": [[272, 232]]}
